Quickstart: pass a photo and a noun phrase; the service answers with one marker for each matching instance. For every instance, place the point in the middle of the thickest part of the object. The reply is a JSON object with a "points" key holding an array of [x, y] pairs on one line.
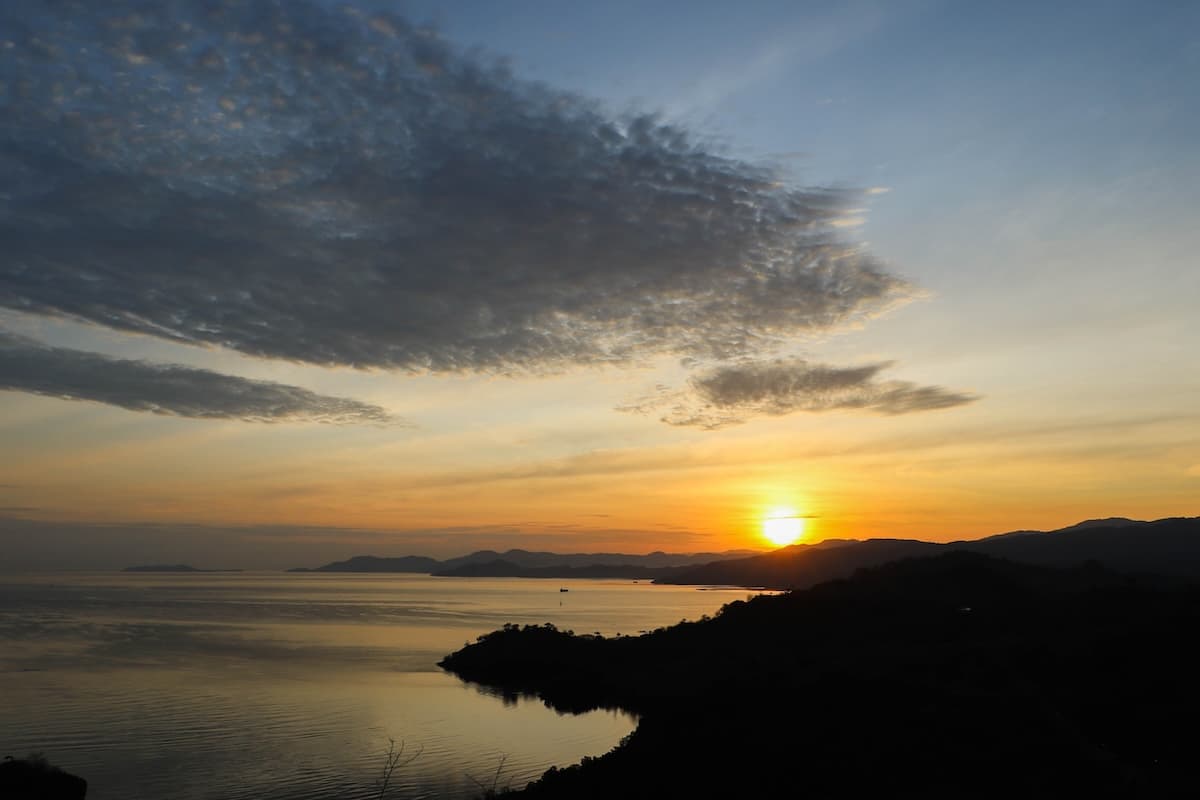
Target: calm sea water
{"points": [[280, 686]]}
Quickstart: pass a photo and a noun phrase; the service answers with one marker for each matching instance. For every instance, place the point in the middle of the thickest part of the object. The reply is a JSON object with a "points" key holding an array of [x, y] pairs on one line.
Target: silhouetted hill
{"points": [[956, 676], [802, 565], [33, 778], [506, 569], [1168, 546], [1107, 522], [376, 564], [470, 565], [534, 559]]}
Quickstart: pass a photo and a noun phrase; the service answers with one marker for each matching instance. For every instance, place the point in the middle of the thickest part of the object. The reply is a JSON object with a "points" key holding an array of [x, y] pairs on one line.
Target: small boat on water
{"points": [[564, 590]]}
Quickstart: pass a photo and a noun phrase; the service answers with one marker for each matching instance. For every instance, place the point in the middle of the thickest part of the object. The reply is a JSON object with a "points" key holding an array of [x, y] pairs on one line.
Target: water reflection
{"points": [[279, 686]]}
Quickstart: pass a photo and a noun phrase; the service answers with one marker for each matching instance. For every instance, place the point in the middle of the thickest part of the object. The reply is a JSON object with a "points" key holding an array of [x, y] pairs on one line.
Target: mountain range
{"points": [[1165, 546], [513, 563]]}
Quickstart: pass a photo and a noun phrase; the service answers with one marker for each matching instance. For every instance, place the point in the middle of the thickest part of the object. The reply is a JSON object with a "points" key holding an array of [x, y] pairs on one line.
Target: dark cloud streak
{"points": [[338, 188], [734, 393], [30, 366]]}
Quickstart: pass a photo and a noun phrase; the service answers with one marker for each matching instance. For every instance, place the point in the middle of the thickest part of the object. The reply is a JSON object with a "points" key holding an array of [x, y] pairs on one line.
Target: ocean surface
{"points": [[289, 686]]}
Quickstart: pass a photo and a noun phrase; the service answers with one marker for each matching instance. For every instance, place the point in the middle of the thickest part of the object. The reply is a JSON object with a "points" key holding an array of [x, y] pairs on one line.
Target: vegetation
{"points": [[959, 675], [491, 790], [34, 778], [394, 759]]}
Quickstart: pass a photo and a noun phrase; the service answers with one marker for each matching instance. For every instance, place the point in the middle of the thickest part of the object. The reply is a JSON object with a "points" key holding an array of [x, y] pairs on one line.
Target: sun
{"points": [[782, 526]]}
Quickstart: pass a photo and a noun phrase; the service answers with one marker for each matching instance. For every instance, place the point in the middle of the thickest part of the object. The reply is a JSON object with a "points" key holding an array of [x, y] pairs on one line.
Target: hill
{"points": [[958, 675], [377, 564], [506, 569], [476, 564], [1167, 546]]}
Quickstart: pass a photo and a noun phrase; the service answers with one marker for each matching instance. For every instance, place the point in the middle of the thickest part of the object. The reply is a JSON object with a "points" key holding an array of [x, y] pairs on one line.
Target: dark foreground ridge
{"points": [[959, 675], [33, 778]]}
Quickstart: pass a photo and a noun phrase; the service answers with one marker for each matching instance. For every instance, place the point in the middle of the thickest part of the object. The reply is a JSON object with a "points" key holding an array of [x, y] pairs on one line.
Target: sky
{"points": [[282, 283]]}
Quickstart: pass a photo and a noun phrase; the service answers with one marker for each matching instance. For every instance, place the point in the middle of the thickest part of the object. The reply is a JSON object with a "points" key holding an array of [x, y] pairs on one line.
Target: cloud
{"points": [[342, 188], [734, 393], [30, 366]]}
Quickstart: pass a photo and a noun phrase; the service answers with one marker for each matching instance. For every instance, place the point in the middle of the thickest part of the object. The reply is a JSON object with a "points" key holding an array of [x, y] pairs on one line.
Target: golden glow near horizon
{"points": [[782, 526]]}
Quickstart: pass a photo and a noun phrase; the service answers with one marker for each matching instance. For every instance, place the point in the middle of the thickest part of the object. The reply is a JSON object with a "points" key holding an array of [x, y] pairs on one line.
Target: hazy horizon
{"points": [[49, 547]]}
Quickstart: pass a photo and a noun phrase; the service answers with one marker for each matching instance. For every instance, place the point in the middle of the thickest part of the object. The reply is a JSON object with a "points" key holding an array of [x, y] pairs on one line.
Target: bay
{"points": [[283, 686]]}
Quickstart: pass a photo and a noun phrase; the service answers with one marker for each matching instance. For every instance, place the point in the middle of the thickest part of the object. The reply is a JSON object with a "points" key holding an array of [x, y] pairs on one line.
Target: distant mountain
{"points": [[172, 568], [1107, 522], [376, 564], [506, 569], [803, 565], [1167, 546], [534, 559], [504, 563]]}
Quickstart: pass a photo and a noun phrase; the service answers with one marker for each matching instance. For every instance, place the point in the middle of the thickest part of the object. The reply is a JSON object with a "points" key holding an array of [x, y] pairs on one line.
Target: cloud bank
{"points": [[30, 366], [342, 188], [734, 393]]}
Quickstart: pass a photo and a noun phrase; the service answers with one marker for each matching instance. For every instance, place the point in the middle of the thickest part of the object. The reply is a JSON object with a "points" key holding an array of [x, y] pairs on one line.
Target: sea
{"points": [[293, 686]]}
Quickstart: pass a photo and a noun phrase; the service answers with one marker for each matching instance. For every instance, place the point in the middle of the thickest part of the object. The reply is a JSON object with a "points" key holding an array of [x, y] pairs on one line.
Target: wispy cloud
{"points": [[342, 188], [734, 393], [799, 42], [30, 366]]}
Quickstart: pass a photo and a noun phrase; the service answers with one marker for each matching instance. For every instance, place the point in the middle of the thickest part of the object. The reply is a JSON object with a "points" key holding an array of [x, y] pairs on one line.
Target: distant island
{"points": [[946, 676], [173, 568]]}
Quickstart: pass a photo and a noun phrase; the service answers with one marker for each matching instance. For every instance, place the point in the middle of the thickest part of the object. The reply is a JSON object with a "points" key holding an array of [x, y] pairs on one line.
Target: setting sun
{"points": [[782, 526]]}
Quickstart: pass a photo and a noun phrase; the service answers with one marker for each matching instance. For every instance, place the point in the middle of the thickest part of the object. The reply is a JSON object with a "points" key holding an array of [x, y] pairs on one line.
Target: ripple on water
{"points": [[287, 687]]}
